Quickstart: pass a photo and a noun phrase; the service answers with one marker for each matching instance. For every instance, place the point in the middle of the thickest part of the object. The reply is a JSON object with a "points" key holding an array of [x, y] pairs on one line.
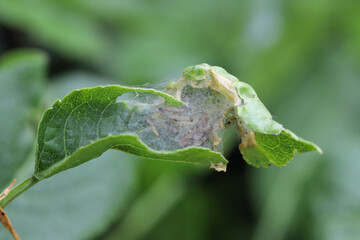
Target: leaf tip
{"points": [[318, 149]]}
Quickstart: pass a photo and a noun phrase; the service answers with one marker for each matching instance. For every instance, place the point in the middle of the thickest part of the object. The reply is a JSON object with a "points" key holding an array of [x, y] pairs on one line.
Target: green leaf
{"points": [[90, 121], [21, 81], [275, 149]]}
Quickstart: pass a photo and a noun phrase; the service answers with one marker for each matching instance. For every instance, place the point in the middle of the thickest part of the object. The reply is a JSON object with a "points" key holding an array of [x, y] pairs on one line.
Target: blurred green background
{"points": [[302, 58]]}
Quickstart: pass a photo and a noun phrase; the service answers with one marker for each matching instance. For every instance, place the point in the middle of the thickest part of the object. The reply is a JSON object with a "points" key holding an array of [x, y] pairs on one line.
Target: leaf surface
{"points": [[90, 121], [277, 149]]}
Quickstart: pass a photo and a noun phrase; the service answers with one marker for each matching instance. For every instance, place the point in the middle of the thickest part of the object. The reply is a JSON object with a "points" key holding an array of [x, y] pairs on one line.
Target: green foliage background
{"points": [[301, 57]]}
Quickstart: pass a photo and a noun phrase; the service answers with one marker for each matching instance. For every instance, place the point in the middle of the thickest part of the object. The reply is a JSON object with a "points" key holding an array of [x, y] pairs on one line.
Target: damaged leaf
{"points": [[184, 124]]}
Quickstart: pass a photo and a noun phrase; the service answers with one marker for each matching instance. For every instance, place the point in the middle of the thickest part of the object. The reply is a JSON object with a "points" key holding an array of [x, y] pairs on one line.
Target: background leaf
{"points": [[22, 80], [66, 199]]}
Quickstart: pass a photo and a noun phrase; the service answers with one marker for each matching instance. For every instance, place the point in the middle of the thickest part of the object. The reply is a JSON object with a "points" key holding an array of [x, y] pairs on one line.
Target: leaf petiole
{"points": [[23, 186]]}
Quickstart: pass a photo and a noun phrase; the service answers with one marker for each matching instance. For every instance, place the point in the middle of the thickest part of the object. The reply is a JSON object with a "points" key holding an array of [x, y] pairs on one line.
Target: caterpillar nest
{"points": [[198, 122]]}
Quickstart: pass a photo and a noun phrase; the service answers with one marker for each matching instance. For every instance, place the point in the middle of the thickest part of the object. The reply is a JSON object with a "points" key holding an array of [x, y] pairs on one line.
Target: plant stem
{"points": [[26, 184]]}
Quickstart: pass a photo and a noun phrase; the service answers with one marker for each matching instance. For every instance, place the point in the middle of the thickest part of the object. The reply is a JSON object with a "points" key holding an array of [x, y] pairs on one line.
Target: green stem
{"points": [[26, 184]]}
